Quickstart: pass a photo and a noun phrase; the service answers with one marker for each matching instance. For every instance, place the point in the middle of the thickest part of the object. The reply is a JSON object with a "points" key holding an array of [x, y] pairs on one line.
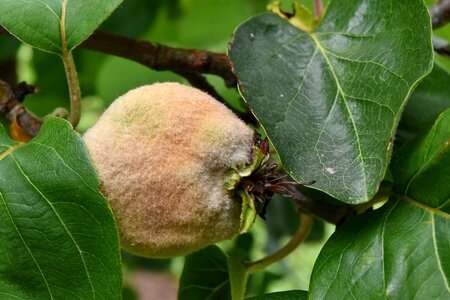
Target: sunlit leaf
{"points": [[54, 26]]}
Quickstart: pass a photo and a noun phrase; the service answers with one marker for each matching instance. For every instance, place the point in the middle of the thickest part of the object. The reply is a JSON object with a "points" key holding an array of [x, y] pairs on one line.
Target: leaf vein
{"points": [[383, 229], [426, 207], [322, 129], [26, 245], [303, 79], [371, 62], [441, 270], [338, 85], [50, 9], [65, 164], [60, 220], [10, 150]]}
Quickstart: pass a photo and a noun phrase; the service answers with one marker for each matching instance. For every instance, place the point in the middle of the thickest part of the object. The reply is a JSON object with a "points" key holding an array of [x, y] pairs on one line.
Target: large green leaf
{"points": [[330, 100], [54, 26], [58, 238], [430, 98], [400, 251], [205, 276], [288, 295]]}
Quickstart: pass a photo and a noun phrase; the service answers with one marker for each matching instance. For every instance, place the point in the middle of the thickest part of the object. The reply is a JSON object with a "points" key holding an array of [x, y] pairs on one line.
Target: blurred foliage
{"points": [[444, 33], [8, 47], [132, 262]]}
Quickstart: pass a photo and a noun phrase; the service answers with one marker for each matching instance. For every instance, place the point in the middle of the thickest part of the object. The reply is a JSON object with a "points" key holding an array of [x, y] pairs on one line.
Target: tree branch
{"points": [[200, 82], [440, 13], [12, 108], [185, 62], [441, 46], [161, 57]]}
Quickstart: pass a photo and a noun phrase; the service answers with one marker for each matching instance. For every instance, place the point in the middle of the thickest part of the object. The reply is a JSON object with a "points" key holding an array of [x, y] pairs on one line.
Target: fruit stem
{"points": [[71, 72], [303, 230], [74, 88]]}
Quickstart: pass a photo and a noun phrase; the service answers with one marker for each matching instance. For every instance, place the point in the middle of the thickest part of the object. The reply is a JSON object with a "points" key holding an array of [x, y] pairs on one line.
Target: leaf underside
{"points": [[58, 238], [330, 100]]}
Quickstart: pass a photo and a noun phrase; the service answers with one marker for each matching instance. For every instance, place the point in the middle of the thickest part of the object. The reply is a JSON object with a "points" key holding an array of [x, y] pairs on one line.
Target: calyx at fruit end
{"points": [[251, 206]]}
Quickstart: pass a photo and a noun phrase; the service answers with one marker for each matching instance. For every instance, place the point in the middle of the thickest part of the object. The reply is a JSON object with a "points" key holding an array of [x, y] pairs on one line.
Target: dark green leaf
{"points": [[9, 46], [54, 26], [403, 249], [58, 238], [205, 276], [429, 99], [288, 295], [330, 100], [400, 251], [421, 167]]}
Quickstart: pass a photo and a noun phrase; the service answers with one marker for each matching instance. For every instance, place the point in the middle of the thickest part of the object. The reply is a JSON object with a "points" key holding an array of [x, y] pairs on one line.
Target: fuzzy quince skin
{"points": [[162, 153]]}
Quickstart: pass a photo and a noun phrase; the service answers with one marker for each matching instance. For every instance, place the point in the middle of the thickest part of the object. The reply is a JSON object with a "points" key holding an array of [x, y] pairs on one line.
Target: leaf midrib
{"points": [[421, 205], [436, 252], [340, 90], [10, 150], [62, 26]]}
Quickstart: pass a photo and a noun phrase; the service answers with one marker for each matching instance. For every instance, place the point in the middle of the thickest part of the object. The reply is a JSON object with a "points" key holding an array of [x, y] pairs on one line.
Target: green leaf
{"points": [[205, 276], [330, 100], [5, 142], [54, 26], [430, 98], [421, 167], [58, 238], [288, 295], [400, 251]]}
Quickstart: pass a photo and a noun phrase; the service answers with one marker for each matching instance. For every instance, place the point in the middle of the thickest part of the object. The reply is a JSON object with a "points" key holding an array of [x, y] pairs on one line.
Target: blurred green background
{"points": [[200, 24]]}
